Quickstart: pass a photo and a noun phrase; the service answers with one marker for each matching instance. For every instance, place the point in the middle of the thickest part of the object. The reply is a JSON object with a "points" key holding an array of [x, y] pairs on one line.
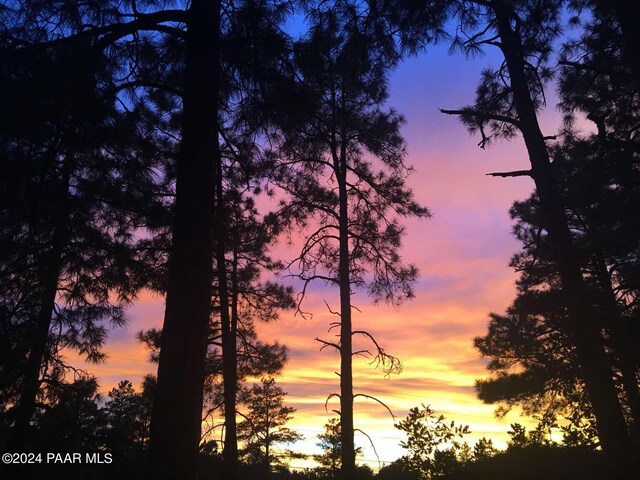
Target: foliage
{"points": [[263, 429], [433, 442], [483, 449], [330, 441], [533, 359], [536, 462], [128, 415], [398, 470]]}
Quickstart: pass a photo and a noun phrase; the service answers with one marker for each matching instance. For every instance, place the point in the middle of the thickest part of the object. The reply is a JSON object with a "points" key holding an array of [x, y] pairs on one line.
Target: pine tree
{"points": [[73, 197], [340, 160], [122, 30], [432, 442], [534, 361], [507, 102], [263, 429]]}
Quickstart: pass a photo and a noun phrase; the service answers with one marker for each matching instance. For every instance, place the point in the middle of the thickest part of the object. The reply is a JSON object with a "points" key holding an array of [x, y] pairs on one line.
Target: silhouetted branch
{"points": [[326, 344], [114, 32], [595, 69], [516, 173], [375, 400], [148, 84], [330, 310], [371, 442], [390, 364], [326, 403], [482, 115]]}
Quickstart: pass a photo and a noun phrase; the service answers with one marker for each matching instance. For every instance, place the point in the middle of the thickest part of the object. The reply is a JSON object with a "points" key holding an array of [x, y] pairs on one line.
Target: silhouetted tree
{"points": [[534, 361], [72, 418], [243, 298], [596, 81], [432, 442], [624, 14], [114, 27], [483, 449], [127, 417], [77, 184], [264, 426], [330, 441], [397, 470], [342, 166], [506, 103], [181, 368]]}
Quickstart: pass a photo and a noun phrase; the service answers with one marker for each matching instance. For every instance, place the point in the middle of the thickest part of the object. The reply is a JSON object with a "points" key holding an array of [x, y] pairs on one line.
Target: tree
{"points": [[432, 442], [397, 470], [127, 417], [250, 40], [507, 102], [264, 426], [114, 27], [183, 87], [624, 13], [596, 80], [331, 444], [534, 362], [483, 449], [72, 197], [340, 160], [243, 299], [178, 405]]}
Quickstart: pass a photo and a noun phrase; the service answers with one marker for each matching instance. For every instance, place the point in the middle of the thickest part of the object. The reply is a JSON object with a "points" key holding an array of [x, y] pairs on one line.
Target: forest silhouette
{"points": [[140, 142]]}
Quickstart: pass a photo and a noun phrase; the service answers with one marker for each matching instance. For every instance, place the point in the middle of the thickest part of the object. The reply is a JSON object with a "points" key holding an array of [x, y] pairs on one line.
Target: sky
{"points": [[462, 253]]}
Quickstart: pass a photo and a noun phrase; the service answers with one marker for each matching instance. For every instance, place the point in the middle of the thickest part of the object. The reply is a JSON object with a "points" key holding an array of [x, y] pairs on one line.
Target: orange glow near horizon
{"points": [[462, 253]]}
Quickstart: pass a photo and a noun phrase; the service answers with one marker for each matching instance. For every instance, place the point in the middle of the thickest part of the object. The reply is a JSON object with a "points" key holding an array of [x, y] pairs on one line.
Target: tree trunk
{"points": [[228, 331], [267, 436], [346, 349], [584, 326], [177, 413], [628, 15], [622, 343], [49, 276]]}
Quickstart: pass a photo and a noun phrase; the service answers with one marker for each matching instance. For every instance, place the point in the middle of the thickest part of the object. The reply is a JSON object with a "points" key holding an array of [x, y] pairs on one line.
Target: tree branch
{"points": [[482, 115], [516, 173], [376, 400]]}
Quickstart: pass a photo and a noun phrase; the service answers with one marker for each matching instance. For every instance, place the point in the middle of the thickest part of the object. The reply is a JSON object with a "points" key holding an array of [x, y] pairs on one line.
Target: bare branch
{"points": [[326, 402], [389, 363], [326, 344], [333, 312], [516, 173], [371, 442], [375, 400]]}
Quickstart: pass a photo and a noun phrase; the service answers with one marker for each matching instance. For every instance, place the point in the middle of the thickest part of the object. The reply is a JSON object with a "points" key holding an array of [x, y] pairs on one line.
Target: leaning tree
{"points": [[507, 102]]}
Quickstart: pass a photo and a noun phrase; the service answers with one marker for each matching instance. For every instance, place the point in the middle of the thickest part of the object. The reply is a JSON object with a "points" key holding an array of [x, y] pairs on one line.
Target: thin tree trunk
{"points": [[346, 349], [49, 276], [584, 326], [229, 350], [267, 449], [177, 413]]}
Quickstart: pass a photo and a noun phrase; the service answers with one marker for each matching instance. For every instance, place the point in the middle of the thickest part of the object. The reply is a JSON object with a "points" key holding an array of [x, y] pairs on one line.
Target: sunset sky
{"points": [[462, 253]]}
